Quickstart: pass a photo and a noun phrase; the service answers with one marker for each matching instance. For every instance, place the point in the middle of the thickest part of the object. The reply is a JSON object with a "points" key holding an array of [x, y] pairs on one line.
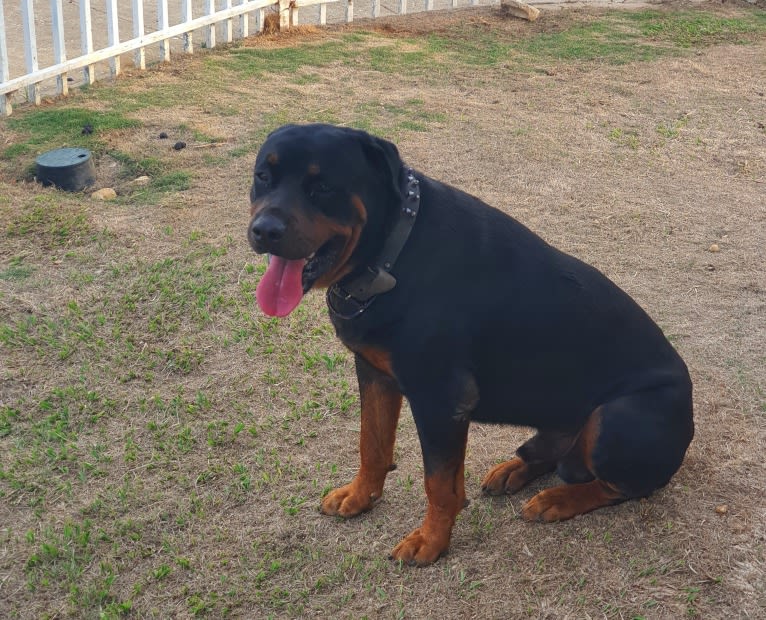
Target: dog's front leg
{"points": [[443, 441], [381, 403]]}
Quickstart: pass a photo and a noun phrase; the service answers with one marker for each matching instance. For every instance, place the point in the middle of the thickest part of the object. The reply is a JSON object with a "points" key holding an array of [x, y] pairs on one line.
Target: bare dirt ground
{"points": [[653, 171]]}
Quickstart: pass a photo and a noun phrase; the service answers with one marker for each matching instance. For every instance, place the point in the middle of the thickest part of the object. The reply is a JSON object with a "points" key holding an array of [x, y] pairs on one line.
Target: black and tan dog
{"points": [[470, 316]]}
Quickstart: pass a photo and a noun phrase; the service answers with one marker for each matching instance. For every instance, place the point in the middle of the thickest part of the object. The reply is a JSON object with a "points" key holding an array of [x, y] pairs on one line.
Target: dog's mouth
{"points": [[286, 281]]}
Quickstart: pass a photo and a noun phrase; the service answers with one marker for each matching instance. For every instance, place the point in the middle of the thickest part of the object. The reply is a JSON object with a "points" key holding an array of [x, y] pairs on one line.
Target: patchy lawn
{"points": [[163, 446]]}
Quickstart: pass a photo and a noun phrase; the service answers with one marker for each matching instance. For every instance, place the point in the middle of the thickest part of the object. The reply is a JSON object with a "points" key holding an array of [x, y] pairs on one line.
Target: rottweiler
{"points": [[470, 316]]}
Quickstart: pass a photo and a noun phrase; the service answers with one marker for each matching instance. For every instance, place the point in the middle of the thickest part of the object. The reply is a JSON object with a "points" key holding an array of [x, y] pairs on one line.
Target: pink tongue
{"points": [[281, 287]]}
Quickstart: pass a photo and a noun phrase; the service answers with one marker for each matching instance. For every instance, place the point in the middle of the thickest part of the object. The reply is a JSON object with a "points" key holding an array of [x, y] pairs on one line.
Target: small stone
{"points": [[714, 248], [179, 145], [722, 509], [520, 9], [141, 181], [106, 193]]}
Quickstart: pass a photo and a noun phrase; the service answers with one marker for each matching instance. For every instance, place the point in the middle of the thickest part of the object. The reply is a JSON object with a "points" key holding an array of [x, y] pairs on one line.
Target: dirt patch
{"points": [[164, 447]]}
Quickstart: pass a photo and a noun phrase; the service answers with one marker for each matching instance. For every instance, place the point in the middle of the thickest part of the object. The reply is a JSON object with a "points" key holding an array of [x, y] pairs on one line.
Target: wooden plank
{"points": [[5, 101], [139, 58], [375, 8], [163, 23], [323, 14], [350, 11], [113, 33], [127, 46], [30, 48], [59, 44], [86, 40]]}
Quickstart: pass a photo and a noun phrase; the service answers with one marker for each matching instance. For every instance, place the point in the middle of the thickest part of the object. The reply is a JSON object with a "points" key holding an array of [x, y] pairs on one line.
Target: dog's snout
{"points": [[268, 228]]}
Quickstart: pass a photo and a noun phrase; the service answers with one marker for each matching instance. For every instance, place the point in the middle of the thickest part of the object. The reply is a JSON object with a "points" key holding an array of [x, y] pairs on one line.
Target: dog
{"points": [[470, 316]]}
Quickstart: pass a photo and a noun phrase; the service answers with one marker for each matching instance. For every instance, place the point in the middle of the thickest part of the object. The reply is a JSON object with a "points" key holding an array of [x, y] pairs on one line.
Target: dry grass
{"points": [[163, 447]]}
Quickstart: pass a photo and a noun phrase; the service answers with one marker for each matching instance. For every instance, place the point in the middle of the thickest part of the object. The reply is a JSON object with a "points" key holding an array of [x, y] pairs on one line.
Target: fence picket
{"points": [[86, 40], [210, 39], [5, 72], [138, 31], [163, 23], [228, 29], [244, 24], [186, 16], [113, 33], [59, 44], [288, 11], [30, 47]]}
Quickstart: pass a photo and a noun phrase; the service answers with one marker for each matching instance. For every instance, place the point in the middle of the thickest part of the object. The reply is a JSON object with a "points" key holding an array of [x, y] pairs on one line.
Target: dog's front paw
{"points": [[349, 501], [418, 549]]}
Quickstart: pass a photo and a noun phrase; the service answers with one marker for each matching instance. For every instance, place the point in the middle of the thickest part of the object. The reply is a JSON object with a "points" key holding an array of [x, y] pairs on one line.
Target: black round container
{"points": [[68, 168]]}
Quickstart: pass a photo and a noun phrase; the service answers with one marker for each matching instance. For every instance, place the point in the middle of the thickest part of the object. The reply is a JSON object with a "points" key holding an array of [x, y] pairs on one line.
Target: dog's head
{"points": [[320, 201]]}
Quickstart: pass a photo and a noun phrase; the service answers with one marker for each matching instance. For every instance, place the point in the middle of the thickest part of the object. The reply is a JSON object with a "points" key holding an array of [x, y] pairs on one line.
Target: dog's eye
{"points": [[319, 190], [262, 177]]}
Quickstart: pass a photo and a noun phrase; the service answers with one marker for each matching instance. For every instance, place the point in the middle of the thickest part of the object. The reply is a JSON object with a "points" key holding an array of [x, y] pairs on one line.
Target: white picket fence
{"points": [[231, 17]]}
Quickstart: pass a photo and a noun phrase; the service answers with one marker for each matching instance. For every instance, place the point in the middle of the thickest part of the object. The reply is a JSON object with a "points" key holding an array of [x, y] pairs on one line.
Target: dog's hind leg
{"points": [[537, 456], [631, 446]]}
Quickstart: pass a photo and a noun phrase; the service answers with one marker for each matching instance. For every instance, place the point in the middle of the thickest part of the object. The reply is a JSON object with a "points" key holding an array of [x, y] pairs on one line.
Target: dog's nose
{"points": [[267, 227]]}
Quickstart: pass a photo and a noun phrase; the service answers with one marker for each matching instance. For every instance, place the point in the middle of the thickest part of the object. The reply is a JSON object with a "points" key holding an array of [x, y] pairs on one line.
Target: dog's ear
{"points": [[280, 129], [384, 156]]}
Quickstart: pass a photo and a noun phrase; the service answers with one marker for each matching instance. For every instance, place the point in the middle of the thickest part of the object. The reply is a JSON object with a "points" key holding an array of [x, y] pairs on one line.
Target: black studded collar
{"points": [[352, 295]]}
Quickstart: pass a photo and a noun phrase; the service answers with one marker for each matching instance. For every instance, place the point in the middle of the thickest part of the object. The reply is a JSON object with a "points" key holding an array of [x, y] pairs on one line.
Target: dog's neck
{"points": [[352, 295]]}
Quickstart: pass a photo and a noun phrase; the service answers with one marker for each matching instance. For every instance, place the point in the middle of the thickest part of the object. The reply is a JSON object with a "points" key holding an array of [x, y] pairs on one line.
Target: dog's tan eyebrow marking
{"points": [[313, 169], [272, 158]]}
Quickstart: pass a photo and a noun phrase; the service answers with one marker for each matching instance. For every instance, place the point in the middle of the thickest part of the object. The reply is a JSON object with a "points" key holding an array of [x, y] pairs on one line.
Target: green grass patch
{"points": [[16, 270], [50, 222], [603, 41], [696, 28], [252, 62], [65, 126]]}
